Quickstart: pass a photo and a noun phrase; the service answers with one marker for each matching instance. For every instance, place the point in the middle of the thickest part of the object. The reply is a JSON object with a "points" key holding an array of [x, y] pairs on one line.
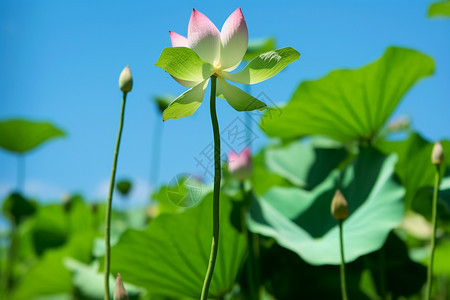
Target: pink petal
{"points": [[204, 37], [240, 165], [178, 40], [234, 38]]}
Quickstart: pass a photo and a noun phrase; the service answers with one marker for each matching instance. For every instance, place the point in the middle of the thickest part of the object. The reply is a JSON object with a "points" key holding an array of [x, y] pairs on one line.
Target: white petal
{"points": [[234, 38], [204, 38]]}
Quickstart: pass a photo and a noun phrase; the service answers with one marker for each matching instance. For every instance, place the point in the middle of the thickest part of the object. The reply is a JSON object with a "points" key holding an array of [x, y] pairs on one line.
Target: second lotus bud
{"points": [[240, 165], [437, 156], [339, 206]]}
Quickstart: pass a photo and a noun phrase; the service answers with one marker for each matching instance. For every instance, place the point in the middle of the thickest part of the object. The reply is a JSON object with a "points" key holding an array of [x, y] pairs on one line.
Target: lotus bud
{"points": [[240, 165], [120, 293], [125, 80], [437, 156], [339, 206]]}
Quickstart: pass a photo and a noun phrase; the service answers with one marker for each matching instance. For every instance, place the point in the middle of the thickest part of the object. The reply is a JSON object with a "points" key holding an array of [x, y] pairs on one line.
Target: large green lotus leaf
{"points": [[414, 166], [170, 256], [49, 276], [300, 220], [262, 179], [349, 105], [439, 9], [21, 136], [303, 164]]}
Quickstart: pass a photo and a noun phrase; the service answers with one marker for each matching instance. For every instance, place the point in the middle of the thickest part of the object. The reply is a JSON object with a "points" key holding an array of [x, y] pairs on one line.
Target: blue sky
{"points": [[61, 61]]}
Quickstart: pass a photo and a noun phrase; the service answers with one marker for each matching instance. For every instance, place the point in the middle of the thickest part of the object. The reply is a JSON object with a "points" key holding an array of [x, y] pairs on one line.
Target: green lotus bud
{"points": [[437, 156], [120, 293], [125, 80], [339, 206]]}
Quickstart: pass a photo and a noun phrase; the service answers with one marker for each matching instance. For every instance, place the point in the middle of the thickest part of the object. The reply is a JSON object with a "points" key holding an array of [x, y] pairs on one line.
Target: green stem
{"points": [[251, 269], [109, 204], [20, 173], [341, 242], [154, 169], [216, 195], [433, 235], [248, 119]]}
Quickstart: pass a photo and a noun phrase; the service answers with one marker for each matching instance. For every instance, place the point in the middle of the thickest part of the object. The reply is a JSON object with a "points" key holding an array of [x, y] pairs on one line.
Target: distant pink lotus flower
{"points": [[240, 165], [207, 52]]}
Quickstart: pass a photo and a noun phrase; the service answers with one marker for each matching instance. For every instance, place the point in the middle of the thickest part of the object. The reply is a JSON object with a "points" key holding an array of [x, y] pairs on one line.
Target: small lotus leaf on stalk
{"points": [[209, 54], [124, 187], [125, 85], [21, 136], [339, 211], [439, 9], [437, 159]]}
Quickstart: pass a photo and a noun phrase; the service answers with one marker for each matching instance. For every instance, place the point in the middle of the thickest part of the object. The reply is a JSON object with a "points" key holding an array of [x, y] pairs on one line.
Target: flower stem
{"points": [[216, 195], [433, 235], [109, 204], [341, 242]]}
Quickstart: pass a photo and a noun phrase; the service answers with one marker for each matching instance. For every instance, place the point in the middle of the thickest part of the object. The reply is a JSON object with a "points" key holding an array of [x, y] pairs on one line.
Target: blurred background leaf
{"points": [[351, 105], [20, 136], [300, 220]]}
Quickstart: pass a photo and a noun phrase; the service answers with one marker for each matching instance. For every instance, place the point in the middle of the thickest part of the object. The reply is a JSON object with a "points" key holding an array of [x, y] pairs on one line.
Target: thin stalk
{"points": [[216, 194], [341, 242], [251, 268], [248, 119], [433, 235], [20, 173], [154, 169], [109, 204]]}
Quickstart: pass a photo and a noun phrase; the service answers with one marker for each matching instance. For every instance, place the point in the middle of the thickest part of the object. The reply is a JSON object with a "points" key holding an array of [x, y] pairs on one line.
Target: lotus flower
{"points": [[240, 165], [208, 52]]}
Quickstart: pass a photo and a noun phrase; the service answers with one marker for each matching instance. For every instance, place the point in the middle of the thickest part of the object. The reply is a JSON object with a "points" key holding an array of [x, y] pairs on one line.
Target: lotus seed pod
{"points": [[120, 293], [339, 206], [125, 80], [437, 156]]}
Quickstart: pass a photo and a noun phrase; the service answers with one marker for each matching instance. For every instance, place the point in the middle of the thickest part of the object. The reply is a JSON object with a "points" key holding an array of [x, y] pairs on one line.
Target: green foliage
{"points": [[439, 9], [49, 276], [21, 136], [258, 47], [394, 273], [17, 208], [414, 167], [303, 164], [300, 220], [351, 105], [124, 186], [170, 256], [162, 101]]}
